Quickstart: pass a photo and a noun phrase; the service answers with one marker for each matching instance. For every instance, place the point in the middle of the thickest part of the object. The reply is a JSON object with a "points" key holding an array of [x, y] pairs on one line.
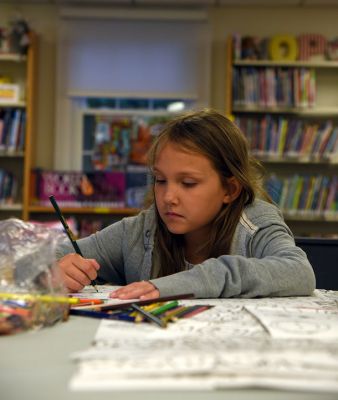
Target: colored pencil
{"points": [[149, 316], [196, 311], [101, 315], [88, 302], [142, 302], [165, 307], [173, 315], [38, 297], [68, 232]]}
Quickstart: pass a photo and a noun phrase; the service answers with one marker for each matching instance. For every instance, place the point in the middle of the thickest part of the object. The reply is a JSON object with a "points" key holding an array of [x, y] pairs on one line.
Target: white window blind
{"points": [[109, 56]]}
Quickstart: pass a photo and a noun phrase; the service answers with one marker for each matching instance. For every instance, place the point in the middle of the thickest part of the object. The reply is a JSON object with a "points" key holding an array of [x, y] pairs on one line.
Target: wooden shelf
{"points": [[17, 104], [15, 154], [84, 210], [127, 112], [12, 57], [295, 159], [326, 216], [315, 111], [291, 64], [10, 207]]}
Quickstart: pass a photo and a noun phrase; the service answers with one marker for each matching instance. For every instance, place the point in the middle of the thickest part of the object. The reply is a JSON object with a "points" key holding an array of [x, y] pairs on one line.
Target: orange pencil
{"points": [[88, 302]]}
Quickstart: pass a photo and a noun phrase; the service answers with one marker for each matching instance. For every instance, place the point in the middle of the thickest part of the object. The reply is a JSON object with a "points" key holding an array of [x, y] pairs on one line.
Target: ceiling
{"points": [[184, 3]]}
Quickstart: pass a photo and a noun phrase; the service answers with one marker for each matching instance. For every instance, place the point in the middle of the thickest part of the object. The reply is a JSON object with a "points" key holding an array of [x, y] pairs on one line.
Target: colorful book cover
{"points": [[274, 187], [296, 87], [284, 195], [14, 131], [282, 135], [323, 193], [304, 193], [292, 184], [316, 192], [313, 133], [331, 202], [262, 134], [295, 140], [102, 188], [327, 142], [311, 193], [71, 188], [326, 126], [63, 185], [7, 119], [297, 192], [22, 133]]}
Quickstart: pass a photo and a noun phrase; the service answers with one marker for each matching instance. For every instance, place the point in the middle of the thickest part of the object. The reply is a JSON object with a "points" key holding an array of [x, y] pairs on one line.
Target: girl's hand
{"points": [[77, 272], [143, 290]]}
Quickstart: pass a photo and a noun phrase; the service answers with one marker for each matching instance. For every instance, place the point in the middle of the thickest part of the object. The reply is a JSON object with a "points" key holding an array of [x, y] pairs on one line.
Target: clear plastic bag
{"points": [[32, 294]]}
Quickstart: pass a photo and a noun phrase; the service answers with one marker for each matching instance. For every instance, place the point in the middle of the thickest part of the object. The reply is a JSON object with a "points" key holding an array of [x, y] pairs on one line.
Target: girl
{"points": [[208, 230]]}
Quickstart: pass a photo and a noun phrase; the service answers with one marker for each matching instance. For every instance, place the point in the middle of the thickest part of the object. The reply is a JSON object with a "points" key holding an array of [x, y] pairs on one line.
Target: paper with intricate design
{"points": [[285, 343]]}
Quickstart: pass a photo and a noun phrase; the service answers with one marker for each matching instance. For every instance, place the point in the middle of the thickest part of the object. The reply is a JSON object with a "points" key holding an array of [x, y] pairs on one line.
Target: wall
{"points": [[246, 20]]}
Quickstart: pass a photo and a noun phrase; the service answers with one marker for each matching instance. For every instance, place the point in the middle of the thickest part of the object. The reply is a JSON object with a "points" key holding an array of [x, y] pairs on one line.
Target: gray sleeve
{"points": [[106, 248], [276, 268]]}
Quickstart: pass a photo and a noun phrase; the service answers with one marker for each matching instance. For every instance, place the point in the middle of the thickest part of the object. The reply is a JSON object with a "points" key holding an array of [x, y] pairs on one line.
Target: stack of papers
{"points": [[284, 343]]}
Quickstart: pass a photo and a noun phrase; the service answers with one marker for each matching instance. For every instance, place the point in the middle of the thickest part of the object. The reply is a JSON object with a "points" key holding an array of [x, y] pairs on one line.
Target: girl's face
{"points": [[188, 191]]}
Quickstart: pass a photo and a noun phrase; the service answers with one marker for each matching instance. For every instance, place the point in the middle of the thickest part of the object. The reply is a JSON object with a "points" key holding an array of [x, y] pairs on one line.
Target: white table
{"points": [[36, 365]]}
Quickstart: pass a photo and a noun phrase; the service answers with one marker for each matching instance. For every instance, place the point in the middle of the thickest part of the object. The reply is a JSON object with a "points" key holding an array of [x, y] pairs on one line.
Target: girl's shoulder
{"points": [[143, 221], [261, 213]]}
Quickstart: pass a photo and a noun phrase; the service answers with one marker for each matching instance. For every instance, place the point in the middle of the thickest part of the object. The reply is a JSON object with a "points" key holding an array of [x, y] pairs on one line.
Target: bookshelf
{"points": [[289, 112], [17, 129]]}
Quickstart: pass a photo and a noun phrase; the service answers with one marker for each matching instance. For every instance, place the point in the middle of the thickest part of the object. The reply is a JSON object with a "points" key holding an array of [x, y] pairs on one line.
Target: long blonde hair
{"points": [[211, 134]]}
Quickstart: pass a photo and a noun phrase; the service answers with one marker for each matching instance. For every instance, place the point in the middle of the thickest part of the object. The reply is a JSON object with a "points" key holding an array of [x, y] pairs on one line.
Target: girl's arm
{"points": [[102, 258], [275, 267]]}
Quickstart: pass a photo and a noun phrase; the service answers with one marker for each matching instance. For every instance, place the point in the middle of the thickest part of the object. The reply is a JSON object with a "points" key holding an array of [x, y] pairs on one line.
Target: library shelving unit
{"points": [[292, 131], [16, 159]]}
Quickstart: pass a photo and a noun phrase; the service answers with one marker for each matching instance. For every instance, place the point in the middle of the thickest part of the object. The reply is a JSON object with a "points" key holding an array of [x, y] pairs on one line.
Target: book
{"points": [[73, 188], [22, 133], [7, 118], [323, 194], [325, 141], [331, 201], [14, 131]]}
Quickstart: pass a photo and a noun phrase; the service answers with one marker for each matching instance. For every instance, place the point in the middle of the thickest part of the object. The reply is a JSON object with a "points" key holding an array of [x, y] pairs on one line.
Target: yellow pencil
{"points": [[39, 297], [152, 306]]}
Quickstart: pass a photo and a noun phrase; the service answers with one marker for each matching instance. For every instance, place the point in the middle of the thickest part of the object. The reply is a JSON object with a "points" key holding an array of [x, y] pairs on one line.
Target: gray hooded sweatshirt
{"points": [[263, 259]]}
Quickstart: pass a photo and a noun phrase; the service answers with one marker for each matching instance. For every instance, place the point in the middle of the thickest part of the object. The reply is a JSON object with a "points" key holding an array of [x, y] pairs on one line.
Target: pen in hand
{"points": [[68, 231]]}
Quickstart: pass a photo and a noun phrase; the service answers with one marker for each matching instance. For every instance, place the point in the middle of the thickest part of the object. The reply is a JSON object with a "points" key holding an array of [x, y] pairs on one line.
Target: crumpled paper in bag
{"points": [[30, 279]]}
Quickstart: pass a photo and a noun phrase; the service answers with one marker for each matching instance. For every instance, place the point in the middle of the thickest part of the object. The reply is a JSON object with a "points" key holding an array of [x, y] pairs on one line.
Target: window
{"points": [[126, 64]]}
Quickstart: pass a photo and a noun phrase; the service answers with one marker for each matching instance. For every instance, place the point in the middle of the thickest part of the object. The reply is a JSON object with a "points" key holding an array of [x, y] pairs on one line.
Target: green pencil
{"points": [[165, 307]]}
